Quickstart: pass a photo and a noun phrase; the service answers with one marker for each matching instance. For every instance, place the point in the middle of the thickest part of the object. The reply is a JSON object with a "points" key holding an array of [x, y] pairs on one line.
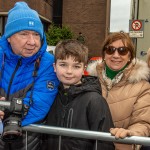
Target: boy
{"points": [[79, 103], [26, 71]]}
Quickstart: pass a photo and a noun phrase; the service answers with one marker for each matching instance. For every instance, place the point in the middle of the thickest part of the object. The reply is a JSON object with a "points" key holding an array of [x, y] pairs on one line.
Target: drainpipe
{"points": [[136, 11]]}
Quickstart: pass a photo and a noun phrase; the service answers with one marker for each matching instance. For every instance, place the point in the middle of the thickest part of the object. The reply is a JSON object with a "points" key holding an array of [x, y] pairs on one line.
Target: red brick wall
{"points": [[44, 8], [88, 17]]}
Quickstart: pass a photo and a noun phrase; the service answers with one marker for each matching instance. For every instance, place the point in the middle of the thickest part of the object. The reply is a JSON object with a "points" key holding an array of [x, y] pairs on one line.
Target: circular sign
{"points": [[136, 25]]}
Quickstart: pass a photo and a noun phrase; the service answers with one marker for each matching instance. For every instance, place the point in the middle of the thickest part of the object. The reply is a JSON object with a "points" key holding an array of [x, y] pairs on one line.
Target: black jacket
{"points": [[80, 107]]}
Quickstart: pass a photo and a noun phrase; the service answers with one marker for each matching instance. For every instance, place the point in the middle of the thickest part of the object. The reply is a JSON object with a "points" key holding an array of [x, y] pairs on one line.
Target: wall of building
{"points": [[89, 17], [43, 7], [144, 14]]}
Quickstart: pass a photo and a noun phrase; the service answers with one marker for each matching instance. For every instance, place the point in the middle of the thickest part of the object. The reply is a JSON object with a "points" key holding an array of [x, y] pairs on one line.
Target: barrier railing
{"points": [[86, 134]]}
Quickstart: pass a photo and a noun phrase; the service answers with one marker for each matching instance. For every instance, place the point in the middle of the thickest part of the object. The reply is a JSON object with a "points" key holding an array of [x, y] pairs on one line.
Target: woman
{"points": [[125, 86]]}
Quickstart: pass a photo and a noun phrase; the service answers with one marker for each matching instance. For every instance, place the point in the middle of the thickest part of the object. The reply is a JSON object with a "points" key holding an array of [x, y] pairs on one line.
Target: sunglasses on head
{"points": [[121, 50]]}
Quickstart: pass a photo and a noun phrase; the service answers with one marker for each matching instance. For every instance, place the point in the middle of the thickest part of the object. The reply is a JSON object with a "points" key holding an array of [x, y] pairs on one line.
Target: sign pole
{"points": [[136, 17]]}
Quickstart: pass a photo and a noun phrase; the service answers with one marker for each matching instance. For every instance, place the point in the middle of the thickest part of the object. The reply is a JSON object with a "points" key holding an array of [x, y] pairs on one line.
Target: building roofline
{"points": [[42, 17], [4, 13], [45, 19]]}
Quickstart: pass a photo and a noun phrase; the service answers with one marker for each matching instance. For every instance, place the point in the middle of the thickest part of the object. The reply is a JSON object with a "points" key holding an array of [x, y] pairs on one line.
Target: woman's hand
{"points": [[1, 112], [121, 132]]}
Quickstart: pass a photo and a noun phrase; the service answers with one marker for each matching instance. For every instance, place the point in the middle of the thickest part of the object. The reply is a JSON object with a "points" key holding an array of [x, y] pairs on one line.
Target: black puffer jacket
{"points": [[80, 107]]}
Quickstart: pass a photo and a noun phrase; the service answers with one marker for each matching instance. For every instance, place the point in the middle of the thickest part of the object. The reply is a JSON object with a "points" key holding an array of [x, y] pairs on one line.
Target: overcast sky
{"points": [[120, 15]]}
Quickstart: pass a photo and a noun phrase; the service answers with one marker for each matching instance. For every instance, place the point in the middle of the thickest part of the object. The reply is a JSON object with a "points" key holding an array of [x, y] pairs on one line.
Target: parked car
{"points": [[90, 61], [51, 49]]}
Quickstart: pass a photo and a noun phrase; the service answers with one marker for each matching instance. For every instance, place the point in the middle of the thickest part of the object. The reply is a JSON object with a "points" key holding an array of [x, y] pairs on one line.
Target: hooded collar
{"points": [[136, 71], [89, 84]]}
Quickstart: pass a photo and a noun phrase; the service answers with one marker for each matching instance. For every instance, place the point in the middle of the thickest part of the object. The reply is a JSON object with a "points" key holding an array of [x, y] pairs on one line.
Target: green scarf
{"points": [[111, 73]]}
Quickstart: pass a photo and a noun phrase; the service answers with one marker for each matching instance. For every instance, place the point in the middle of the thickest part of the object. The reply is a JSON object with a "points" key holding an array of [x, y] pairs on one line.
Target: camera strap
{"points": [[34, 75], [2, 66]]}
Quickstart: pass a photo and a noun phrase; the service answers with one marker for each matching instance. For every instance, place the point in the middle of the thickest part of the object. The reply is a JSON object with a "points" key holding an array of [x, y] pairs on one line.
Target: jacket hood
{"points": [[138, 69], [89, 84], [7, 50]]}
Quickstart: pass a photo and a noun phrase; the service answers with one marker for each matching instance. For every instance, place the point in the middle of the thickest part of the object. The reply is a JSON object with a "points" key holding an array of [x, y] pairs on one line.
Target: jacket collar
{"points": [[136, 71]]}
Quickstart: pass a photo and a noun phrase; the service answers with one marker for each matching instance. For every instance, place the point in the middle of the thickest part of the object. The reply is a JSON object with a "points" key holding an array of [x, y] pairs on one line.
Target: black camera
{"points": [[14, 111]]}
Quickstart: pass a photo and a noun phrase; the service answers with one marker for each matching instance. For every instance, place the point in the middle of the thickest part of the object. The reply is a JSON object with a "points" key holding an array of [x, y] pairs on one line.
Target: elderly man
{"points": [[26, 75]]}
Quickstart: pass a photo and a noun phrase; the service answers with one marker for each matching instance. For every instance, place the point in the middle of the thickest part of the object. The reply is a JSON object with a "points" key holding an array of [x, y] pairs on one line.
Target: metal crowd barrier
{"points": [[86, 134]]}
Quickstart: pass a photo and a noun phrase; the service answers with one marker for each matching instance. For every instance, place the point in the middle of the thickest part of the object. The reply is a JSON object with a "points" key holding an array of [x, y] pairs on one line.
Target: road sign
{"points": [[136, 28], [136, 25]]}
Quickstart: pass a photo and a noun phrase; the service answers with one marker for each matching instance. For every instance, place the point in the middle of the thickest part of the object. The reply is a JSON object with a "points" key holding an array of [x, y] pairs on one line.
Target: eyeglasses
{"points": [[121, 50]]}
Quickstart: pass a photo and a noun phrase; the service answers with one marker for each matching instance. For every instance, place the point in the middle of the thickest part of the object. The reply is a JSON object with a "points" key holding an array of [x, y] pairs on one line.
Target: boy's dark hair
{"points": [[72, 48]]}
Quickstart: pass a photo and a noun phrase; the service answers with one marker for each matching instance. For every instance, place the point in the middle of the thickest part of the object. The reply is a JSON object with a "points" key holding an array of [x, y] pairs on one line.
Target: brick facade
{"points": [[90, 18], [44, 8]]}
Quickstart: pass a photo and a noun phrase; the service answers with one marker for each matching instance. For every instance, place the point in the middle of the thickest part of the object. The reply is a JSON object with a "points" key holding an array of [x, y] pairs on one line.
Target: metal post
{"points": [[60, 142], [26, 140], [135, 18], [96, 145]]}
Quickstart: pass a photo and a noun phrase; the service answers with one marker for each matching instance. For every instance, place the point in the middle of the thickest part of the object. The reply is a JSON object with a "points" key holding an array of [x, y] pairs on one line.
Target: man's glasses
{"points": [[121, 50]]}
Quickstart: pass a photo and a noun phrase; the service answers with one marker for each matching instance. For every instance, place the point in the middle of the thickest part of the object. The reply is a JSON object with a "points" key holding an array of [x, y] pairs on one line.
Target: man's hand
{"points": [[121, 132], [1, 112]]}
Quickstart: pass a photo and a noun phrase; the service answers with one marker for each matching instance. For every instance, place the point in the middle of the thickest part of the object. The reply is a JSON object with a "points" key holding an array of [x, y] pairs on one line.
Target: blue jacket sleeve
{"points": [[44, 93]]}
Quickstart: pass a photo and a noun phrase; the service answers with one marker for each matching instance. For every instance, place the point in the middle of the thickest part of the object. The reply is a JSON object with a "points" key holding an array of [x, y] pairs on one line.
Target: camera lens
{"points": [[12, 129], [11, 136]]}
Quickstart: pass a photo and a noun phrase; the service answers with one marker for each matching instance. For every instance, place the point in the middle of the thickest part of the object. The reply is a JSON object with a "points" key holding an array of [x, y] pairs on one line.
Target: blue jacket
{"points": [[19, 76]]}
